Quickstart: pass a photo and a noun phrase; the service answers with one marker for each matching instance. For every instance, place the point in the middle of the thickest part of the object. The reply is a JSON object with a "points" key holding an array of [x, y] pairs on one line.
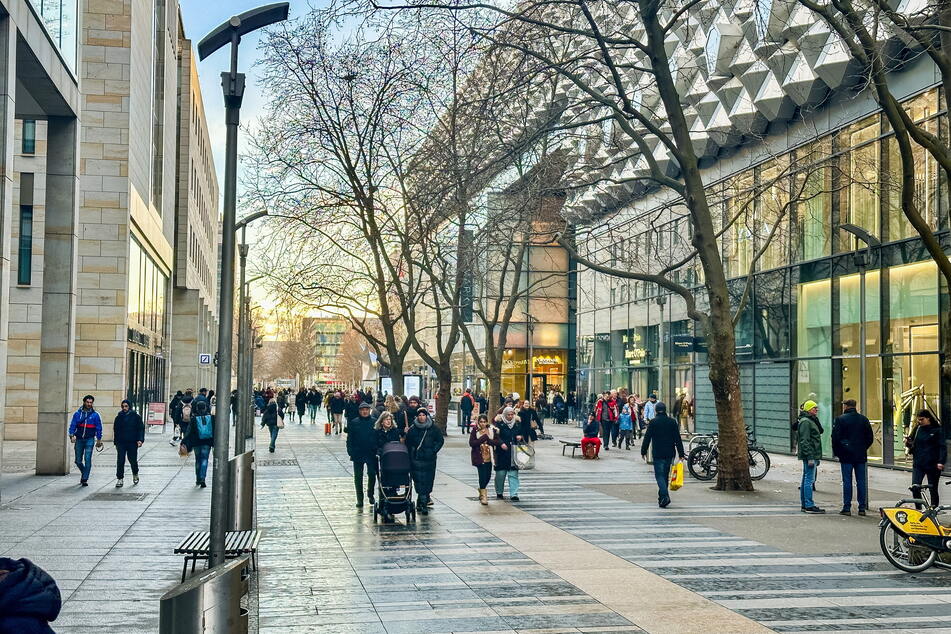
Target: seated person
{"points": [[590, 437]]}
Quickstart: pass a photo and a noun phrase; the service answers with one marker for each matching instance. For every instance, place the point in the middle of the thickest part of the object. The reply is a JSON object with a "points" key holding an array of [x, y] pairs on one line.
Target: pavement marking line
{"points": [[661, 606]]}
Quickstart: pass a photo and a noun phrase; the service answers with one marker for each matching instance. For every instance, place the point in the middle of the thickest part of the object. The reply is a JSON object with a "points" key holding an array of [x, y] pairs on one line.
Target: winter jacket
{"points": [[269, 417], [663, 436], [338, 405], [605, 410], [86, 424], [351, 409], [300, 402], [489, 437], [503, 455], [313, 398], [928, 447], [591, 429], [529, 416], [424, 442], [191, 439], [851, 437], [175, 410], [128, 428], [29, 598], [810, 437], [466, 404], [384, 436], [361, 439], [650, 410]]}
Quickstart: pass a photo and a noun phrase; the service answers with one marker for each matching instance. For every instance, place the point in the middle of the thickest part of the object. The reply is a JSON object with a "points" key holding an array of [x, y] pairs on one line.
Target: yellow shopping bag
{"points": [[677, 476]]}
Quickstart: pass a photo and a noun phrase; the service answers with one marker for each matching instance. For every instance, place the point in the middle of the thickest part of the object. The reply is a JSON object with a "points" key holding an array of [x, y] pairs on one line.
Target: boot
{"points": [[483, 497]]}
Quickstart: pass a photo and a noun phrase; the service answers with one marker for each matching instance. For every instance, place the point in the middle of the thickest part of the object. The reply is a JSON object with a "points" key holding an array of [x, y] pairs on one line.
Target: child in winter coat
{"points": [[626, 427]]}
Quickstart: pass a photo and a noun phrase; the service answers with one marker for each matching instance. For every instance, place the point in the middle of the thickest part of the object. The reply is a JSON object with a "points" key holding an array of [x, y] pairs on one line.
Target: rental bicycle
{"points": [[911, 536]]}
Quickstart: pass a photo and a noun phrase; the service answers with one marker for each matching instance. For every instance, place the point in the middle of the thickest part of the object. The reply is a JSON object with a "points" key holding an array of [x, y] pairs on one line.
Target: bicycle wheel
{"points": [[701, 464], [759, 464], [903, 554]]}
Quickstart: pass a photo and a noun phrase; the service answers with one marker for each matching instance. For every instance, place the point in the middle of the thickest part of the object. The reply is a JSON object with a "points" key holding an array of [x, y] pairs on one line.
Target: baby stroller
{"points": [[395, 484]]}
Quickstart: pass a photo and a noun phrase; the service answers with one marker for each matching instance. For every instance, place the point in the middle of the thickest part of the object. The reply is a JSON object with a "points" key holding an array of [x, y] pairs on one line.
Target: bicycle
{"points": [[703, 458], [912, 538]]}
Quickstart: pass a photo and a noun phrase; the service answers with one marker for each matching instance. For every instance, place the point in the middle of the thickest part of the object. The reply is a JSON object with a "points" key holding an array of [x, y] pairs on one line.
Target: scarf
{"points": [[510, 423], [424, 425]]}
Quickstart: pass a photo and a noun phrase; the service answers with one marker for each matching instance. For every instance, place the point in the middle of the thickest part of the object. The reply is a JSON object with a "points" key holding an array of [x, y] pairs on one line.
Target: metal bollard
{"points": [[242, 506], [209, 603]]}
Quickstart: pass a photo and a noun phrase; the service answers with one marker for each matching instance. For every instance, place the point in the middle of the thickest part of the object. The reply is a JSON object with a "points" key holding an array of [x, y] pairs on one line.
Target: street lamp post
{"points": [[232, 83], [242, 425]]}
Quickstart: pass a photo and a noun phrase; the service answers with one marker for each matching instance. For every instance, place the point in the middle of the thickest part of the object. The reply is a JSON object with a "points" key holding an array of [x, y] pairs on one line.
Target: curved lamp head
{"points": [[239, 25]]}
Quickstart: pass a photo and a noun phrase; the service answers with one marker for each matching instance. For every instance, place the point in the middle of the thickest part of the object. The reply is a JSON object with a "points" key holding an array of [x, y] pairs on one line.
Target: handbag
{"points": [[677, 476], [523, 456], [280, 422]]}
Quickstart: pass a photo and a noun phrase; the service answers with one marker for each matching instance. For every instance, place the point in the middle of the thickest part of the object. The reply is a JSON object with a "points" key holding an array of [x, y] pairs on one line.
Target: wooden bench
{"points": [[237, 543], [575, 446]]}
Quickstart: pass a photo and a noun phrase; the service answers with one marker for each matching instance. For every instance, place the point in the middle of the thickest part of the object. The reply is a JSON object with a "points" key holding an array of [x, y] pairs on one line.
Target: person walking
{"points": [[572, 402], [530, 417], [466, 405], [625, 423], [291, 405], [809, 432], [175, 413], [510, 432], [85, 432], [663, 437], [386, 430], [362, 450], [606, 413], [929, 452], [128, 434], [851, 437], [483, 438], [338, 406], [300, 404], [650, 409], [424, 441], [270, 417], [200, 439], [589, 437], [185, 413]]}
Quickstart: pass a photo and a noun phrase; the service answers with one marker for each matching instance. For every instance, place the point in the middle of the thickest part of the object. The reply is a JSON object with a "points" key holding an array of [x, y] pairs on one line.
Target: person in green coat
{"points": [[809, 431]]}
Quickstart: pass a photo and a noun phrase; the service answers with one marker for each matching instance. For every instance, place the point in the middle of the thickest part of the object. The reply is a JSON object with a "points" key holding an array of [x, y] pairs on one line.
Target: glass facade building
{"points": [[806, 303]]}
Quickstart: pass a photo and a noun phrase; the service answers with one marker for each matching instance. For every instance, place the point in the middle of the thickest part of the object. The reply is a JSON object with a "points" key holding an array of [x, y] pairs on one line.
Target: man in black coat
{"points": [[128, 434], [851, 438], [466, 405], [361, 447], [664, 434]]}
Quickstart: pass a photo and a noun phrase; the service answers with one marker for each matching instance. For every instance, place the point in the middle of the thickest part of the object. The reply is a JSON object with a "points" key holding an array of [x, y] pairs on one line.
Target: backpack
{"points": [[203, 424], [590, 451], [186, 412]]}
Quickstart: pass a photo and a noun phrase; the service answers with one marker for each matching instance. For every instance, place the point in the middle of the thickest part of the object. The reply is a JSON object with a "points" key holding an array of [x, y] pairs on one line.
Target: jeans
{"points": [[918, 474], [273, 429], [808, 481], [485, 474], [201, 461], [358, 477], [84, 455], [861, 482], [312, 410], [132, 451], [662, 475], [500, 476]]}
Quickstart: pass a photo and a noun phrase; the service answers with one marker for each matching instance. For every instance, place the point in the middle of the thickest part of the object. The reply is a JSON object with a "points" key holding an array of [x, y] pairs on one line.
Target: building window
{"points": [[25, 256], [29, 136]]}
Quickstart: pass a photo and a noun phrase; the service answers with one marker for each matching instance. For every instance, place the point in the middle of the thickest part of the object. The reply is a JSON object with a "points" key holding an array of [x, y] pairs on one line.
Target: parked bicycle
{"points": [[702, 460], [911, 536]]}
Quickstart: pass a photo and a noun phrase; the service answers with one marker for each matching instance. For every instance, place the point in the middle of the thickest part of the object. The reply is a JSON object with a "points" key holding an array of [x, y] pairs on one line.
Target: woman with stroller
{"points": [[424, 441], [386, 430], [482, 439], [510, 432]]}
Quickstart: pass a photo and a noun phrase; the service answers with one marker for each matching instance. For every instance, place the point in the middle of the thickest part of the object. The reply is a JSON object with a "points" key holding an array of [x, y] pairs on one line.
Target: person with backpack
{"points": [[85, 431], [185, 413], [128, 435], [200, 439], [424, 441], [466, 405]]}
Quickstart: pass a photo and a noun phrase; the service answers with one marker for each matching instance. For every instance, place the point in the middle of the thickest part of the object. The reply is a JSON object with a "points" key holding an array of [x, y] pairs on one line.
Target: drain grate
{"points": [[290, 462], [117, 497]]}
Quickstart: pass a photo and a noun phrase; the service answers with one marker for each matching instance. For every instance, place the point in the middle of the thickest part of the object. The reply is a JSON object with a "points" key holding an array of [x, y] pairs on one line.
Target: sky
{"points": [[200, 17]]}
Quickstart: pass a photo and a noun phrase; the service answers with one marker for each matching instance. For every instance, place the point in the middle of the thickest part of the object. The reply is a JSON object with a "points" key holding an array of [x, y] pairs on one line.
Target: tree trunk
{"points": [[733, 466], [396, 376], [443, 396]]}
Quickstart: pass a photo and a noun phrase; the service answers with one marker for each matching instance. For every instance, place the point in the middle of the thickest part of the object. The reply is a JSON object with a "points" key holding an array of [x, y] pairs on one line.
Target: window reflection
{"points": [[59, 18]]}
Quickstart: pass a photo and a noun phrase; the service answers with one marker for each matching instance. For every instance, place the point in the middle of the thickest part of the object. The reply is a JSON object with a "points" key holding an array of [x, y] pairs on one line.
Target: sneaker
{"points": [[664, 503], [845, 512], [429, 502], [862, 512], [514, 498], [815, 510], [119, 483], [83, 483], [135, 479], [173, 441], [202, 484]]}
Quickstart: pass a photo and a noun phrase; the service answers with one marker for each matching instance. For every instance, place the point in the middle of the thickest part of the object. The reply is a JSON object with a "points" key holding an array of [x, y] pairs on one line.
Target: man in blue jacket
{"points": [[85, 431]]}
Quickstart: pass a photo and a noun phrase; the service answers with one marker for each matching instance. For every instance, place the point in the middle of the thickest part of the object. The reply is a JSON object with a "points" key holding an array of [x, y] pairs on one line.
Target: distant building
{"points": [[328, 336]]}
